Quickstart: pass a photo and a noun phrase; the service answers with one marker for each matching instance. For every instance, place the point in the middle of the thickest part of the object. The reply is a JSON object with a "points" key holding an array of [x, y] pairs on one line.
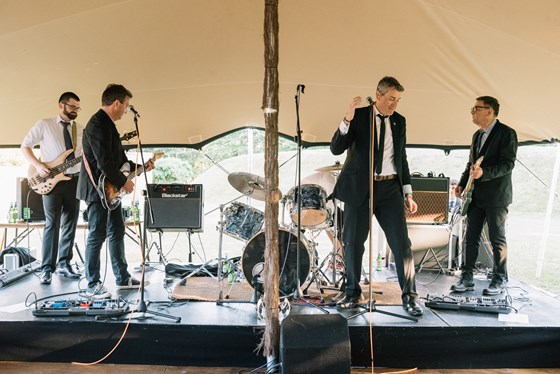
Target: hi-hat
{"points": [[248, 184], [335, 167]]}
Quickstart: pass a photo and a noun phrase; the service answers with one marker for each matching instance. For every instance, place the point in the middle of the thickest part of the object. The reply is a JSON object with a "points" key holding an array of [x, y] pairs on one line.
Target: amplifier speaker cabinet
{"points": [[318, 343], [432, 196], [176, 207], [27, 198]]}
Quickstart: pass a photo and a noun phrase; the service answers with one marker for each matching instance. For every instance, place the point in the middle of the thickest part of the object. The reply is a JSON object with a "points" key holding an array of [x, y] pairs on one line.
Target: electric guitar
{"points": [[466, 196], [110, 195], [44, 185]]}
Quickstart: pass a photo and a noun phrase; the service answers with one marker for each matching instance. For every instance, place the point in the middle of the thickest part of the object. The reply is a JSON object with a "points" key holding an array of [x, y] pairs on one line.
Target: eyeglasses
{"points": [[73, 107], [476, 107]]}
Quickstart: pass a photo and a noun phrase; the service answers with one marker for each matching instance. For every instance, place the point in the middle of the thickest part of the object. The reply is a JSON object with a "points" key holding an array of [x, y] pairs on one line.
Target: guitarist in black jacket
{"points": [[491, 193], [104, 154]]}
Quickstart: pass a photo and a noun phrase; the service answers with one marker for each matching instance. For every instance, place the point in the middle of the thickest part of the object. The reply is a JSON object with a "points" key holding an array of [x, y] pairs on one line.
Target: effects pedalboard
{"points": [[69, 308], [474, 304]]}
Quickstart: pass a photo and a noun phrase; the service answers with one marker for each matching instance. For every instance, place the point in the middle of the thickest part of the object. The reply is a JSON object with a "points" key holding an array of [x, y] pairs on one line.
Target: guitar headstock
{"points": [[157, 155], [129, 135]]}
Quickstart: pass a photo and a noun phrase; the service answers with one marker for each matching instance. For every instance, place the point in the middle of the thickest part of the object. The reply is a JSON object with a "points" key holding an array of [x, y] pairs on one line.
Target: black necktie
{"points": [[380, 148], [478, 142], [68, 139]]}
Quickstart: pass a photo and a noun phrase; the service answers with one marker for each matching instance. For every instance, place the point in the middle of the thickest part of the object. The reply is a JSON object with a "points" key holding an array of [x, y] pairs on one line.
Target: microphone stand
{"points": [[298, 293], [369, 307], [141, 306]]}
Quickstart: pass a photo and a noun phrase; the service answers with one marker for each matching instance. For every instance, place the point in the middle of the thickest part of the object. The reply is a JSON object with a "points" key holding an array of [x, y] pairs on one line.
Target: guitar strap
{"points": [[86, 164], [74, 134]]}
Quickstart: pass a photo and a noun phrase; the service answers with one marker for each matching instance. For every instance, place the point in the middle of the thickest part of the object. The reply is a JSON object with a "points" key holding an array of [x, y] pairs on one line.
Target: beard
{"points": [[71, 115]]}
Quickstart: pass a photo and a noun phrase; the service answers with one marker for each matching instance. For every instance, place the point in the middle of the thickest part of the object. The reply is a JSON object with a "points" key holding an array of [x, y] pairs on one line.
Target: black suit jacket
{"points": [[352, 186], [105, 154], [494, 188]]}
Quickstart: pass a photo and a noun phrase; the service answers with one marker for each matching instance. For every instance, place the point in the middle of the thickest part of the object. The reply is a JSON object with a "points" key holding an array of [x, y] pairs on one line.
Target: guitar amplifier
{"points": [[432, 196], [176, 207], [29, 202]]}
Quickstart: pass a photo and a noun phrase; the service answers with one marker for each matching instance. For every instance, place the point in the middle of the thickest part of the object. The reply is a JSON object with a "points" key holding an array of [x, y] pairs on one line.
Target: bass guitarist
{"points": [[55, 136], [105, 155], [491, 192]]}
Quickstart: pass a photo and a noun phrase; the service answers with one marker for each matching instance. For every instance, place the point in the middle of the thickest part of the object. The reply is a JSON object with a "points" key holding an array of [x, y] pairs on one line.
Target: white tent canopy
{"points": [[196, 66]]}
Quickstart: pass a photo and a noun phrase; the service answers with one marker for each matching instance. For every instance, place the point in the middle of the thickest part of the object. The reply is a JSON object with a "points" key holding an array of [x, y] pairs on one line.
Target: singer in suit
{"points": [[491, 195], [104, 154], [391, 187]]}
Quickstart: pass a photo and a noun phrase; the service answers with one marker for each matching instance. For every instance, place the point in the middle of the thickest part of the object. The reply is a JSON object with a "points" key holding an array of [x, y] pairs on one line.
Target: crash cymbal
{"points": [[335, 167], [248, 184]]}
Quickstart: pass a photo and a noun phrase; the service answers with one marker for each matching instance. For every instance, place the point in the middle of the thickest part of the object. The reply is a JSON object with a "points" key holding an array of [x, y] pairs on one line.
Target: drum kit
{"points": [[315, 215]]}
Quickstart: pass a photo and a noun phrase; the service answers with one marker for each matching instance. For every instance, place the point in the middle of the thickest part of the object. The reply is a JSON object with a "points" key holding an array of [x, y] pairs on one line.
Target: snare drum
{"points": [[242, 221], [314, 211], [252, 261]]}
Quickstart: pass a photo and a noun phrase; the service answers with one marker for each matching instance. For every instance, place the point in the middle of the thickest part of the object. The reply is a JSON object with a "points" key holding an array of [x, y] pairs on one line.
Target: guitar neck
{"points": [[66, 165]]}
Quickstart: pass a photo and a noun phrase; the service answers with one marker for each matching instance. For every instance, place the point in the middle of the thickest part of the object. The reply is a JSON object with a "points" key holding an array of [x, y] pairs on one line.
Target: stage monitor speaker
{"points": [[315, 343], [432, 196], [176, 207], [27, 198]]}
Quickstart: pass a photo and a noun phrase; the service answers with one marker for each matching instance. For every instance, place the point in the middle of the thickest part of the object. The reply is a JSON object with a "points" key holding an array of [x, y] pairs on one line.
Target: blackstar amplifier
{"points": [[432, 196], [176, 207]]}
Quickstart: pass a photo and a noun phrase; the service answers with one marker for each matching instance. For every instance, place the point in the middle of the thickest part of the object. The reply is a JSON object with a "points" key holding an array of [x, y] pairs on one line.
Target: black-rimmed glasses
{"points": [[73, 107], [477, 107]]}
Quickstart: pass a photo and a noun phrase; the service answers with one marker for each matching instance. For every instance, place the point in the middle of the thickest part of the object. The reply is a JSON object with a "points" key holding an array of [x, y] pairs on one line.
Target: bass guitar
{"points": [[44, 185], [110, 195], [466, 196]]}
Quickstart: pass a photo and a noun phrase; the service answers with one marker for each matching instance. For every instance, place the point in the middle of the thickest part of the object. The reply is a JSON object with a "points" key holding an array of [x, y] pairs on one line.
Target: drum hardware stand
{"points": [[254, 281], [141, 305]]}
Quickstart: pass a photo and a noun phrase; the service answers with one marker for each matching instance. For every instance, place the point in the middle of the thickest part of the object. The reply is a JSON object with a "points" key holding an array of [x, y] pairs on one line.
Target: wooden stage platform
{"points": [[227, 335]]}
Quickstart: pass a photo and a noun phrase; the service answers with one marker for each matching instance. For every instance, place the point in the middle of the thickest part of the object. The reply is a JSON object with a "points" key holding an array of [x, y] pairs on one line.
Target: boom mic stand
{"points": [[141, 306], [298, 293]]}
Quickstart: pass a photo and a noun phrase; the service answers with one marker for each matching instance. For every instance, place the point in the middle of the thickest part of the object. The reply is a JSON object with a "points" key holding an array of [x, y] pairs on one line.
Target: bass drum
{"points": [[252, 261]]}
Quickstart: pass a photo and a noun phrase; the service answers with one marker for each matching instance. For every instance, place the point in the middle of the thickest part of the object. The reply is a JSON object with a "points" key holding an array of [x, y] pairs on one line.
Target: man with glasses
{"points": [[491, 193], [55, 136]]}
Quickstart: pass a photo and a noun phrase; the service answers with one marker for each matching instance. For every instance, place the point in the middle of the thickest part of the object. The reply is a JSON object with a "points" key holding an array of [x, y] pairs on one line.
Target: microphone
{"points": [[369, 100], [131, 108], [302, 86]]}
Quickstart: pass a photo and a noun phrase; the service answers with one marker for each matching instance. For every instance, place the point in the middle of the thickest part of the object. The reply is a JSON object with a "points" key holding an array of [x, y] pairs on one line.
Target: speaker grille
{"points": [[432, 197]]}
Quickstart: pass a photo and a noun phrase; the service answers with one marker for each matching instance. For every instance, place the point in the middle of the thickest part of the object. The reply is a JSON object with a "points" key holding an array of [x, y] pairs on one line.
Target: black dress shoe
{"points": [[413, 308], [45, 277], [67, 271], [349, 302]]}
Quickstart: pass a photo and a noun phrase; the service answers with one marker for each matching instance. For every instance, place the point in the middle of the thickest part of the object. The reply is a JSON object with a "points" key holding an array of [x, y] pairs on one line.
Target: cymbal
{"points": [[335, 167], [248, 184]]}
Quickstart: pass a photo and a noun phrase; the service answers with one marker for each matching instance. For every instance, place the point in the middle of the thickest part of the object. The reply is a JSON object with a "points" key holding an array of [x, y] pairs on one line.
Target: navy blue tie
{"points": [[68, 139]]}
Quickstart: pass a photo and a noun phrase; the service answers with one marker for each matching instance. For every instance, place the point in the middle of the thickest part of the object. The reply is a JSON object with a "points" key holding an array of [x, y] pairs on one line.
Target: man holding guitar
{"points": [[105, 155], [59, 137], [488, 174]]}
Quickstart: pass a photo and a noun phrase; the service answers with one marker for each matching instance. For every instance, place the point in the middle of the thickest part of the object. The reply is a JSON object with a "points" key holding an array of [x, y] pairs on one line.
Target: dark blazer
{"points": [[105, 154], [352, 186], [494, 188]]}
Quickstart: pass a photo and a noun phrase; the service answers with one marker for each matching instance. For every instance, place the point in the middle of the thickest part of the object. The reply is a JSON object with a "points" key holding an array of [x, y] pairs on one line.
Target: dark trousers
{"points": [[389, 211], [496, 218], [61, 218], [105, 224]]}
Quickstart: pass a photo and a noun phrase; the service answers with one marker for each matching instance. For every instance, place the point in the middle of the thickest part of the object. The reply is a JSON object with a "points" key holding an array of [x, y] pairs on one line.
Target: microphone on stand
{"points": [[369, 100], [302, 86], [131, 108]]}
